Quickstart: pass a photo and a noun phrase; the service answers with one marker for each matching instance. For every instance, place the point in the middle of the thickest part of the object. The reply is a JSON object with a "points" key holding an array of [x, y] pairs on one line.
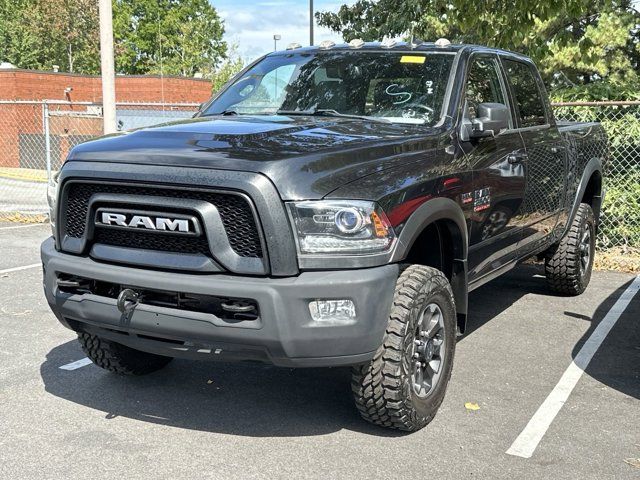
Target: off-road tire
{"points": [[563, 261], [383, 387], [118, 358]]}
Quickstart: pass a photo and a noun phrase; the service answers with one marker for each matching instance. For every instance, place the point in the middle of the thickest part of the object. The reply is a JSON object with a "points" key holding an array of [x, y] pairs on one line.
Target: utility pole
{"points": [[107, 67], [311, 21]]}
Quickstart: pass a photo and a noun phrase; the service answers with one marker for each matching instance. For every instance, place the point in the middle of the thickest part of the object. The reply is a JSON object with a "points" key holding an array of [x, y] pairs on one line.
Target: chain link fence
{"points": [[620, 219], [35, 138]]}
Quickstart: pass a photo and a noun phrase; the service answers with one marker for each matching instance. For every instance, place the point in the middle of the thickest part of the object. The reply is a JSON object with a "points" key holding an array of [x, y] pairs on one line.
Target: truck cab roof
{"points": [[399, 46]]}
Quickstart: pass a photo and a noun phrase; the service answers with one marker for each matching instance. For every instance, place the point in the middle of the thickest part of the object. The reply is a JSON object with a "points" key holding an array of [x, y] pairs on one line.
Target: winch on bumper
{"points": [[282, 331]]}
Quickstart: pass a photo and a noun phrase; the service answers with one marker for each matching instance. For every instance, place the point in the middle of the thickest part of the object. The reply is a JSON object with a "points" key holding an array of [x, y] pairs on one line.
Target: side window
{"points": [[483, 84], [523, 82]]}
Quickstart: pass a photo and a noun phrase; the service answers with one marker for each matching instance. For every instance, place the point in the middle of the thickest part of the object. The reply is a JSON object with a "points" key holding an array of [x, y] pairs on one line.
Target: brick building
{"points": [[22, 141], [16, 84]]}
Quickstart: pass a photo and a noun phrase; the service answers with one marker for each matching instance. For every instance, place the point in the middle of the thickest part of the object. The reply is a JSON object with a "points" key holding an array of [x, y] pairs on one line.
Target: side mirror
{"points": [[491, 119]]}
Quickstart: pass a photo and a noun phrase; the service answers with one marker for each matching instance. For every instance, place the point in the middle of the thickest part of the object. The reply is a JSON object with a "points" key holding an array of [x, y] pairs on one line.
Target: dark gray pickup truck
{"points": [[331, 206]]}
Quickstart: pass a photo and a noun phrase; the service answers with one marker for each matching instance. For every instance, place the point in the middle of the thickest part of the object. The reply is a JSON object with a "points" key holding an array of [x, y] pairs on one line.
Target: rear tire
{"points": [[403, 386], [118, 358], [568, 265]]}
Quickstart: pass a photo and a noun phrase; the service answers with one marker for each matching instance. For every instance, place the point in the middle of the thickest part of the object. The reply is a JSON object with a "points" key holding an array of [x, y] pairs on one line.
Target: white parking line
{"points": [[528, 440], [77, 364], [17, 269], [23, 226]]}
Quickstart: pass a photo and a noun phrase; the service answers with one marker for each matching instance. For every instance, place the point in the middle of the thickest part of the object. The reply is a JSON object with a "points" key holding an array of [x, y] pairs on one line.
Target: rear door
{"points": [[544, 162], [498, 177]]}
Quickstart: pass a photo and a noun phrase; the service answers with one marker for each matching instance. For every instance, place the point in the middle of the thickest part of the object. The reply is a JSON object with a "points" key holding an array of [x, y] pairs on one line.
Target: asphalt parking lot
{"points": [[211, 420], [22, 195]]}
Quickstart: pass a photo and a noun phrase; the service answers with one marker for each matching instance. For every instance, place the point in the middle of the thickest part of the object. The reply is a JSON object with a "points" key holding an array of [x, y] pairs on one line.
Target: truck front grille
{"points": [[235, 211], [152, 241]]}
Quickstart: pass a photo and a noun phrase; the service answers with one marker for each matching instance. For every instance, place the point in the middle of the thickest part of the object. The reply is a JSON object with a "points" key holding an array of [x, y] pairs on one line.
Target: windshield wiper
{"points": [[224, 112], [325, 112]]}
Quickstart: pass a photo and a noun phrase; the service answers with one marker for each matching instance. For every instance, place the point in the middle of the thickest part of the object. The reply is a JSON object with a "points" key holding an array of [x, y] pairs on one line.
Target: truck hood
{"points": [[305, 157]]}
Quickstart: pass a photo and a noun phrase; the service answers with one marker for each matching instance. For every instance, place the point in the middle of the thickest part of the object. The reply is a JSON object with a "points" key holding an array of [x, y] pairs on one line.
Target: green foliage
{"points": [[177, 37], [597, 91], [43, 33], [19, 40], [620, 222], [70, 34], [575, 42], [621, 211], [229, 68]]}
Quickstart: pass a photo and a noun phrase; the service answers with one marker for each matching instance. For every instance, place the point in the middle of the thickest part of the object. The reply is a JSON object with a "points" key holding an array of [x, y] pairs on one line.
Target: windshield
{"points": [[387, 86]]}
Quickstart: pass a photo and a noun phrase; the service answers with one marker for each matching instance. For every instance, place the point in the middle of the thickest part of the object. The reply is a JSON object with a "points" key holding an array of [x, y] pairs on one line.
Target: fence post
{"points": [[47, 141]]}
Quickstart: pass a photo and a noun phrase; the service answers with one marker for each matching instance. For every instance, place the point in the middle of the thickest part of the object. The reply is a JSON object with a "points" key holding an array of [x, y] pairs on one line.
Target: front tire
{"points": [[403, 386], [568, 265], [118, 358]]}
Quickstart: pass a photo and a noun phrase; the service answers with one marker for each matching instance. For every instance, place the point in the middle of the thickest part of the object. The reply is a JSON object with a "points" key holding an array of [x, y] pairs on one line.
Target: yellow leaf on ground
{"points": [[634, 462], [472, 406]]}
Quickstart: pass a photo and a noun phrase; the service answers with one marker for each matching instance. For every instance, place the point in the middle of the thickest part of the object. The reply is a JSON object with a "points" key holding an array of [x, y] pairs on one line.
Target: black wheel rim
{"points": [[428, 351], [585, 249]]}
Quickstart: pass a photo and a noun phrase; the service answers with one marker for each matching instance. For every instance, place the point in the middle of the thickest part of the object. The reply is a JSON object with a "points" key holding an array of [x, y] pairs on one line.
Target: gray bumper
{"points": [[285, 334]]}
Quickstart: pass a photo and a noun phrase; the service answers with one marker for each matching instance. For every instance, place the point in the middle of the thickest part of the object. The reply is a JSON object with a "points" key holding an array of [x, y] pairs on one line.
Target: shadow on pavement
{"points": [[617, 361], [259, 400], [236, 399], [493, 298]]}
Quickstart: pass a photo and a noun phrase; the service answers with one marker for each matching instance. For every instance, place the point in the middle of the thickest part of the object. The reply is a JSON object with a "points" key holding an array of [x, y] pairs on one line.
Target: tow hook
{"points": [[237, 306], [128, 300]]}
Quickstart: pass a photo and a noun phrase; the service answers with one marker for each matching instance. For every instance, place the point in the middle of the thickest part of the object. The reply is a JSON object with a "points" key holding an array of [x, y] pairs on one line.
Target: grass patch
{"points": [[620, 259]]}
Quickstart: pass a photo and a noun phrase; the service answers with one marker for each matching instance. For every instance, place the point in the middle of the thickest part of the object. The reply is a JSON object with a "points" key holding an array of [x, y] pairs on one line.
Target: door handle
{"points": [[514, 158]]}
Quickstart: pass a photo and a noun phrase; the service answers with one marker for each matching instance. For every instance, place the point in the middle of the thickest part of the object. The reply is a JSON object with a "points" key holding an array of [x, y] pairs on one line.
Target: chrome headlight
{"points": [[340, 227], [52, 199]]}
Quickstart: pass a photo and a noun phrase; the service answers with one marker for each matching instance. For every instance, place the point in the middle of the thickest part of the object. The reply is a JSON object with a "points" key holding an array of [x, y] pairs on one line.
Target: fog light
{"points": [[323, 310]]}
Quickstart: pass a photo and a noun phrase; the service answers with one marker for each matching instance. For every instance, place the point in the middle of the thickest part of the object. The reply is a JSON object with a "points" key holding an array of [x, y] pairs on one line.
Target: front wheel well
{"points": [[433, 248], [441, 245]]}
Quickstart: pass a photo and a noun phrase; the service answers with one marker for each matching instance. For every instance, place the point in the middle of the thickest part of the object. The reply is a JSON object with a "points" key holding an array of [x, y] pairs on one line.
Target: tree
{"points": [[227, 70], [575, 42], [19, 40], [176, 37], [71, 35], [42, 33]]}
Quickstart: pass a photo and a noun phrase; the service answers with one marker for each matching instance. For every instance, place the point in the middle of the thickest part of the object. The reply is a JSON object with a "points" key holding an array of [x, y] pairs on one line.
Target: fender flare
{"points": [[594, 165], [428, 213]]}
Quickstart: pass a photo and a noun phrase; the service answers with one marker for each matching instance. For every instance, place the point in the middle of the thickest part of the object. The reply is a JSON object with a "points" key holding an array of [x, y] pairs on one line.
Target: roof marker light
{"points": [[356, 43], [325, 44], [442, 42], [293, 46], [388, 43]]}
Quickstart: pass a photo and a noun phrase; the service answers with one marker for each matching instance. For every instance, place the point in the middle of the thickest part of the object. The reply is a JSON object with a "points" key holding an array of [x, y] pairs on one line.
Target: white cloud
{"points": [[251, 26]]}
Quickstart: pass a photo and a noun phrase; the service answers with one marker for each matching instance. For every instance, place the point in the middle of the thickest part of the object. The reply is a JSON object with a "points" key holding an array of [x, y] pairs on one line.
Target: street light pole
{"points": [[275, 41], [107, 67], [311, 22]]}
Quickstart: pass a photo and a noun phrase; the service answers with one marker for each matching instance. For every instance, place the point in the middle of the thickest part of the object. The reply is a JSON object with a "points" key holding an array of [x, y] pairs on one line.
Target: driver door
{"points": [[498, 177]]}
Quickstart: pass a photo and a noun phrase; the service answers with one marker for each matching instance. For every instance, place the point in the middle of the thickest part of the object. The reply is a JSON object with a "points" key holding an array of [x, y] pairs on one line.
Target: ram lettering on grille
{"points": [[136, 221]]}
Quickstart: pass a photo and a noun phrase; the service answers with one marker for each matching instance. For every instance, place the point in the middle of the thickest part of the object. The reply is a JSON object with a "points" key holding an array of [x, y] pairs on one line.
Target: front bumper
{"points": [[284, 335]]}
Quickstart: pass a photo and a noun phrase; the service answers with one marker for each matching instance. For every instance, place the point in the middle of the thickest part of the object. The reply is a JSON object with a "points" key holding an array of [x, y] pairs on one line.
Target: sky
{"points": [[251, 24]]}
